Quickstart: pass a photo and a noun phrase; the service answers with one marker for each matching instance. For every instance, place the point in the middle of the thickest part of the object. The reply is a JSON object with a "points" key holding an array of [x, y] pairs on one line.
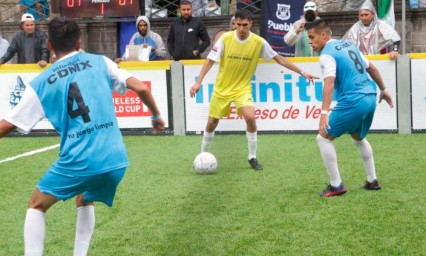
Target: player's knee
{"points": [[212, 123], [41, 201], [80, 202], [356, 138], [250, 119], [37, 204]]}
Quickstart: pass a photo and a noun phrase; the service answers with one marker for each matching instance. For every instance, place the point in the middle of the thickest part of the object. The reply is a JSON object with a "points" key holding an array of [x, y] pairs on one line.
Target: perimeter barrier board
{"points": [[132, 114], [284, 101]]}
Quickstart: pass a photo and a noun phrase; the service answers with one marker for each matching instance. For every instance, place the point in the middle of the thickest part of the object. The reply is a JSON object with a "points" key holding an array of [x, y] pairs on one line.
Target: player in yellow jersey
{"points": [[239, 52]]}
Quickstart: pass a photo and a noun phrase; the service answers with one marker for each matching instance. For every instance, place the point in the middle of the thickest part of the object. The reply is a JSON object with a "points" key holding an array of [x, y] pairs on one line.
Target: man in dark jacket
{"points": [[29, 44], [185, 35]]}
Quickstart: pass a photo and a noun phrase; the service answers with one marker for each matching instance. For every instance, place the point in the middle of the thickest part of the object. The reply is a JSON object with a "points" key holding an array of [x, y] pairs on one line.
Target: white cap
{"points": [[27, 16], [310, 6]]}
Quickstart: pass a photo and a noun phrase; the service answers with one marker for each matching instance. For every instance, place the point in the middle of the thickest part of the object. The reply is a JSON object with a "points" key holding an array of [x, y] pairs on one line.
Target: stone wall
{"points": [[417, 34], [9, 11]]}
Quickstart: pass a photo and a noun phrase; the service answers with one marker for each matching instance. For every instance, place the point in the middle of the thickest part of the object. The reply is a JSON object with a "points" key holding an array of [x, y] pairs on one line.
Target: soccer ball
{"points": [[205, 163]]}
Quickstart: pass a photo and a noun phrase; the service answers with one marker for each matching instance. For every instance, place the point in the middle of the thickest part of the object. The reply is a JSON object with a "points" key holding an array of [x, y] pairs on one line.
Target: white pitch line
{"points": [[30, 153]]}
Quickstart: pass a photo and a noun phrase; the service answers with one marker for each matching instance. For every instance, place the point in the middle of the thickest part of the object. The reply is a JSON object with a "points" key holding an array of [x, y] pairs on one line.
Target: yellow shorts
{"points": [[221, 107]]}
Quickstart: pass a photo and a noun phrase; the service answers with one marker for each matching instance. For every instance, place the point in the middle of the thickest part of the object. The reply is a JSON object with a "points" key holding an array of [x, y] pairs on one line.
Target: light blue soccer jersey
{"points": [[76, 96], [352, 81]]}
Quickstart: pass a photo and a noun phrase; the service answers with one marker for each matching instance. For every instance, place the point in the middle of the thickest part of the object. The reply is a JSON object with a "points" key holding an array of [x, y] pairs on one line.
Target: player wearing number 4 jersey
{"points": [[75, 95], [346, 73]]}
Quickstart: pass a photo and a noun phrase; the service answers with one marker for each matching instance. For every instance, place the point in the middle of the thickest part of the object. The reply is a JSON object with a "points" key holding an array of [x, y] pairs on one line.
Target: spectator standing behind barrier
{"points": [[4, 44], [147, 39], [350, 5], [185, 35], [38, 8], [232, 25], [297, 34], [29, 44], [371, 35]]}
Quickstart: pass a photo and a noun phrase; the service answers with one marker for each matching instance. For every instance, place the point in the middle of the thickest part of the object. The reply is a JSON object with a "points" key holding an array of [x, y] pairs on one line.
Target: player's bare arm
{"points": [[204, 70], [375, 75], [6, 128], [145, 95], [286, 63], [326, 102]]}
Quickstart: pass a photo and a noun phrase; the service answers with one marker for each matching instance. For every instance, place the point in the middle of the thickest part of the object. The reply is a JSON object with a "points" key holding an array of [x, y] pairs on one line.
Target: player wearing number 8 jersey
{"points": [[75, 95], [345, 72]]}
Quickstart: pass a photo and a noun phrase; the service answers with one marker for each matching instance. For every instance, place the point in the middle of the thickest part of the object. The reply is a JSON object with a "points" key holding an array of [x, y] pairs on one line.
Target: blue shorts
{"points": [[354, 118], [99, 187]]}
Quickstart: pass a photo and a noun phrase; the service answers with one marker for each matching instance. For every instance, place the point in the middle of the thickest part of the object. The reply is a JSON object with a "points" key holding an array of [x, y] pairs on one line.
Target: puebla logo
{"points": [[283, 11]]}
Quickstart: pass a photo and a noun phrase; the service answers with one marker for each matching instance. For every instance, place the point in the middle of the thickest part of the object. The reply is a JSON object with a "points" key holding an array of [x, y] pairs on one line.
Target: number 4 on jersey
{"points": [[82, 110]]}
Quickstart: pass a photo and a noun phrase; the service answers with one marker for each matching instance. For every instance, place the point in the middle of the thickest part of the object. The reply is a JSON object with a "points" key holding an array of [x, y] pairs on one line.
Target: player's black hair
{"points": [[243, 14], [319, 25], [63, 34]]}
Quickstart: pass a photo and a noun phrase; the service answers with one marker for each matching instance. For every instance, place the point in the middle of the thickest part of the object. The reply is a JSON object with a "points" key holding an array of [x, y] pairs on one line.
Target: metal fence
{"points": [[170, 8], [11, 10]]}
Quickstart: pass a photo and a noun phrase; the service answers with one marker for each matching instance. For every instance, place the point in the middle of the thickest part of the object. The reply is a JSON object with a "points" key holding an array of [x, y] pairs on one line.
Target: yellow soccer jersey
{"points": [[238, 62]]}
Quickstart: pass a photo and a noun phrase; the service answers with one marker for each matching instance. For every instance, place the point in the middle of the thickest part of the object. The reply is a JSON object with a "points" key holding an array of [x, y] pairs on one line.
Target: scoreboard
{"points": [[99, 8]]}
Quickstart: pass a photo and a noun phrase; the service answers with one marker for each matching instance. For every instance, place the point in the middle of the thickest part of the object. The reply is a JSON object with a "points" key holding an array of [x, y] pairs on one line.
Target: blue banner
{"points": [[127, 29], [277, 18]]}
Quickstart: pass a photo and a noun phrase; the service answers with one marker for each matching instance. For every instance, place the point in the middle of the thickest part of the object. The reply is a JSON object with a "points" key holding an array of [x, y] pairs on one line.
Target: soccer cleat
{"points": [[255, 164], [333, 191], [375, 185]]}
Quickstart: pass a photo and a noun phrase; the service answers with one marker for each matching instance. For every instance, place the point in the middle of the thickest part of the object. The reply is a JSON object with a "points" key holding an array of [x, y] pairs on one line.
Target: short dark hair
{"points": [[243, 14], [319, 25], [63, 34], [185, 2]]}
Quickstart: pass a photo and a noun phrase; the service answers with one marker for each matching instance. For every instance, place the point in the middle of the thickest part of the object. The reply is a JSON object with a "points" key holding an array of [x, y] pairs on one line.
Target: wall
{"points": [[100, 35], [9, 11]]}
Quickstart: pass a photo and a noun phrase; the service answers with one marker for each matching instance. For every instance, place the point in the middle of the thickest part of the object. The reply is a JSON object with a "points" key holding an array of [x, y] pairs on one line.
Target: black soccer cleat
{"points": [[375, 185], [255, 164], [333, 191]]}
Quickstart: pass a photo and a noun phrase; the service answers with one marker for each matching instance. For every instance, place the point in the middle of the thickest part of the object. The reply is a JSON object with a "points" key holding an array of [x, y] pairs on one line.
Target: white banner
{"points": [[418, 93], [131, 112], [284, 101], [11, 90]]}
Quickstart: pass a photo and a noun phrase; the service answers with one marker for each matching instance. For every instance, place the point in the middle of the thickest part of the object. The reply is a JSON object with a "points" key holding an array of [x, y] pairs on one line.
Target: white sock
{"points": [[207, 141], [34, 232], [328, 154], [366, 153], [84, 229], [252, 144]]}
